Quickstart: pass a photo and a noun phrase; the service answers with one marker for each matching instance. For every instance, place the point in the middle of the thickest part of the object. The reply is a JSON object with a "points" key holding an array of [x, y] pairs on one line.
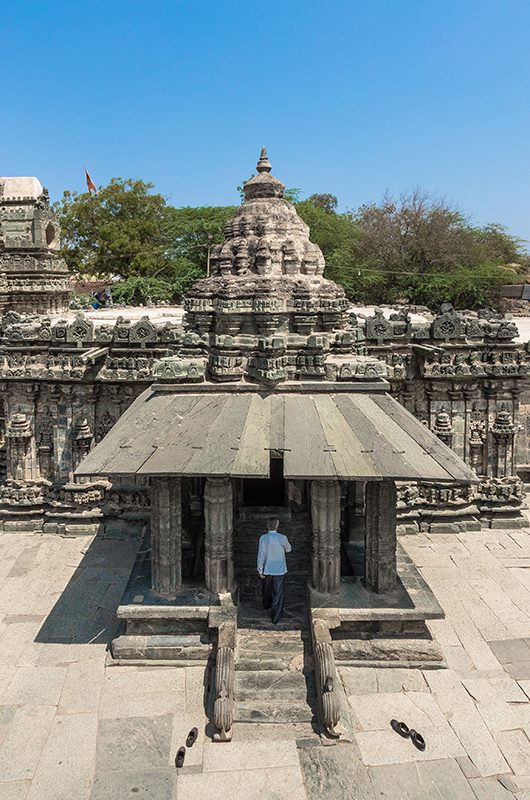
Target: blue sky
{"points": [[353, 98]]}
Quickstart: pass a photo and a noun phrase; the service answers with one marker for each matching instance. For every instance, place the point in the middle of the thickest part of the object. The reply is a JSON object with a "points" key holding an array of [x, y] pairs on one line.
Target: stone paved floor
{"points": [[70, 728]]}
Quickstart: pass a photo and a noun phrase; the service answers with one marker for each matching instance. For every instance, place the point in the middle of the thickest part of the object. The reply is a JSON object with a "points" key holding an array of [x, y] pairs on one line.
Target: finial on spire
{"points": [[264, 165]]}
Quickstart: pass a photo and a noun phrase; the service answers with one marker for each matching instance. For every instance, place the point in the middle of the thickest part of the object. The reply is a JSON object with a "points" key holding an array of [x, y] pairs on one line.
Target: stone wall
{"points": [[63, 384]]}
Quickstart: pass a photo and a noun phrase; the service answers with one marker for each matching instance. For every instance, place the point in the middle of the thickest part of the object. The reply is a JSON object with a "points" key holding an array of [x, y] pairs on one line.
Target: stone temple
{"points": [[270, 406], [272, 398]]}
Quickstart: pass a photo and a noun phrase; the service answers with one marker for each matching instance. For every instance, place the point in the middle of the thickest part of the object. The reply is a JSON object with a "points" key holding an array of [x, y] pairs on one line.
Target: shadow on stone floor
{"points": [[85, 611]]}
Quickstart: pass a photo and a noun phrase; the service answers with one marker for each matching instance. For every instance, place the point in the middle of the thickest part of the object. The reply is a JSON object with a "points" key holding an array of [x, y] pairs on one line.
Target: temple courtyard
{"points": [[70, 726]]}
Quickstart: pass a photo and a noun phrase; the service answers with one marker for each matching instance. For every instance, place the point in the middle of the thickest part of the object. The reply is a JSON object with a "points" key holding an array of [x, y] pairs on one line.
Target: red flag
{"points": [[91, 186]]}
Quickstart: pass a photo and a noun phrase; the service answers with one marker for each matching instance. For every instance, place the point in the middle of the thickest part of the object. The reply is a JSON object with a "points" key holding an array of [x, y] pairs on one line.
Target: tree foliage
{"points": [[126, 230], [415, 248], [420, 249], [121, 230], [193, 231]]}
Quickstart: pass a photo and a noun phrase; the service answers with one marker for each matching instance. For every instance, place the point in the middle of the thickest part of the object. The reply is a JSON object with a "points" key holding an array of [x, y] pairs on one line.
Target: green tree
{"points": [[193, 231], [122, 230], [327, 202], [419, 248], [126, 230]]}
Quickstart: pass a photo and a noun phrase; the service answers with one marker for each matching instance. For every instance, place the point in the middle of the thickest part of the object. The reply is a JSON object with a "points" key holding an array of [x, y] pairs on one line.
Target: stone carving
{"points": [[325, 518], [80, 330], [82, 439], [325, 674], [476, 364], [178, 369], [143, 332], [224, 681], [442, 427], [166, 535], [33, 277], [477, 437], [503, 431], [266, 316], [380, 536], [19, 435], [449, 324], [378, 328]]}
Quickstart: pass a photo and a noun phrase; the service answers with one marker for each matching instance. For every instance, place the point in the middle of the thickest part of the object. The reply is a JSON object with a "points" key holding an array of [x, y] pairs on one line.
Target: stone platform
{"points": [[378, 629], [71, 727], [176, 629]]}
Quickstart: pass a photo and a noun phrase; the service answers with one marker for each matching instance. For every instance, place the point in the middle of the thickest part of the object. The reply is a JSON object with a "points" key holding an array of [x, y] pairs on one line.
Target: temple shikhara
{"points": [[271, 398]]}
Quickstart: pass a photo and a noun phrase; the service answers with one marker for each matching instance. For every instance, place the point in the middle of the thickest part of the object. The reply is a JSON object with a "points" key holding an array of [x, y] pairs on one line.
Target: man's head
{"points": [[273, 524]]}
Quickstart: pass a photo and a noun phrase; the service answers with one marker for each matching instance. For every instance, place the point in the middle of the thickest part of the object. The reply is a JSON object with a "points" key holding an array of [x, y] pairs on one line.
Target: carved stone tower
{"points": [[33, 276], [266, 314]]}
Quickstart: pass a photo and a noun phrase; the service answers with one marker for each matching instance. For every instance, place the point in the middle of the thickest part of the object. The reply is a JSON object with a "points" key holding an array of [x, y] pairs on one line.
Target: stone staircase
{"points": [[274, 678], [274, 681]]}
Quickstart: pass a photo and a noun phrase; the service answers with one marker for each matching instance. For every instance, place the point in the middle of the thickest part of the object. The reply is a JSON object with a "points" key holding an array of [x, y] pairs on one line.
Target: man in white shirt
{"points": [[272, 568]]}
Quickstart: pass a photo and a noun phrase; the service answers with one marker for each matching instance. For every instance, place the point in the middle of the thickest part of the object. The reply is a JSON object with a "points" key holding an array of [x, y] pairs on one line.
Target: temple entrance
{"points": [[258, 501], [266, 492]]}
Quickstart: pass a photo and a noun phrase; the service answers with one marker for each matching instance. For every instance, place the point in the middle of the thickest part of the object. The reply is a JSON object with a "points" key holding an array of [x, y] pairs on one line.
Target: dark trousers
{"points": [[272, 589]]}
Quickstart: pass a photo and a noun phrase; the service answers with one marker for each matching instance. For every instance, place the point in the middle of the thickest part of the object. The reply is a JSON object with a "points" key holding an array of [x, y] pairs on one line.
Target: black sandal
{"points": [[417, 740], [192, 737], [400, 728], [179, 760]]}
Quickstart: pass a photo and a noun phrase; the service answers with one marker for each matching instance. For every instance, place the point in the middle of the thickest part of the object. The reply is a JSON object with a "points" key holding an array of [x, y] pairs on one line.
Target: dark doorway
{"points": [[266, 491]]}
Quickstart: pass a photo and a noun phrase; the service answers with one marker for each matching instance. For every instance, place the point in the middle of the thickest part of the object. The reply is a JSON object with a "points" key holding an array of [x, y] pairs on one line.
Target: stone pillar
{"points": [[20, 466], [218, 523], [325, 517], [380, 571], [166, 535]]}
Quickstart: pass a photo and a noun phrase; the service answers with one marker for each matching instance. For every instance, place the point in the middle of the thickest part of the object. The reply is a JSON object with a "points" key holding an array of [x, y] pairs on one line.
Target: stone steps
{"points": [[274, 678], [169, 647], [263, 650], [272, 712], [271, 684]]}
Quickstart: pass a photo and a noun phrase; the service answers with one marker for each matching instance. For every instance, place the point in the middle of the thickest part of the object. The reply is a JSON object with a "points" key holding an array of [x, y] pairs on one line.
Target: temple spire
{"points": [[264, 165]]}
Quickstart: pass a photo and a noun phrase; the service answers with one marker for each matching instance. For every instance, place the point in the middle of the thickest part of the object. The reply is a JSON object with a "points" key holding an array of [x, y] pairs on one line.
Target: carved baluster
{"points": [[223, 712], [326, 677]]}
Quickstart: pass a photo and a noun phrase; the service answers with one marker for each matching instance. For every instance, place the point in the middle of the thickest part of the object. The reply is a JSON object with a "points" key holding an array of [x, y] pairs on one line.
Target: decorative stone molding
{"points": [[442, 427]]}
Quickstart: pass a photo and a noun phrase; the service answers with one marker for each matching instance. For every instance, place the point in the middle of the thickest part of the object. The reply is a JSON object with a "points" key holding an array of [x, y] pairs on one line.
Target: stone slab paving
{"points": [[71, 727]]}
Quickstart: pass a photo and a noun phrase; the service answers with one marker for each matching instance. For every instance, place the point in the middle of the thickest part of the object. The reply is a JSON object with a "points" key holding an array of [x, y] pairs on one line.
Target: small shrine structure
{"points": [[271, 407]]}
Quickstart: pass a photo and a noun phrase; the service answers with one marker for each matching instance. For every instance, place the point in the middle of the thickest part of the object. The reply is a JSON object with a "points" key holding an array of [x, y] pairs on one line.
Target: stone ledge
{"points": [[162, 612]]}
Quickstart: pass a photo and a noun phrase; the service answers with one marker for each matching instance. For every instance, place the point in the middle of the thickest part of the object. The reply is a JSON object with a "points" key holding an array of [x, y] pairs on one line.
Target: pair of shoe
{"points": [[403, 730], [190, 741]]}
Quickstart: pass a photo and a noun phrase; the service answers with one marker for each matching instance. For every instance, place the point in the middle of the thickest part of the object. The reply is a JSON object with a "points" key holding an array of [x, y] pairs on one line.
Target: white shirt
{"points": [[271, 553]]}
